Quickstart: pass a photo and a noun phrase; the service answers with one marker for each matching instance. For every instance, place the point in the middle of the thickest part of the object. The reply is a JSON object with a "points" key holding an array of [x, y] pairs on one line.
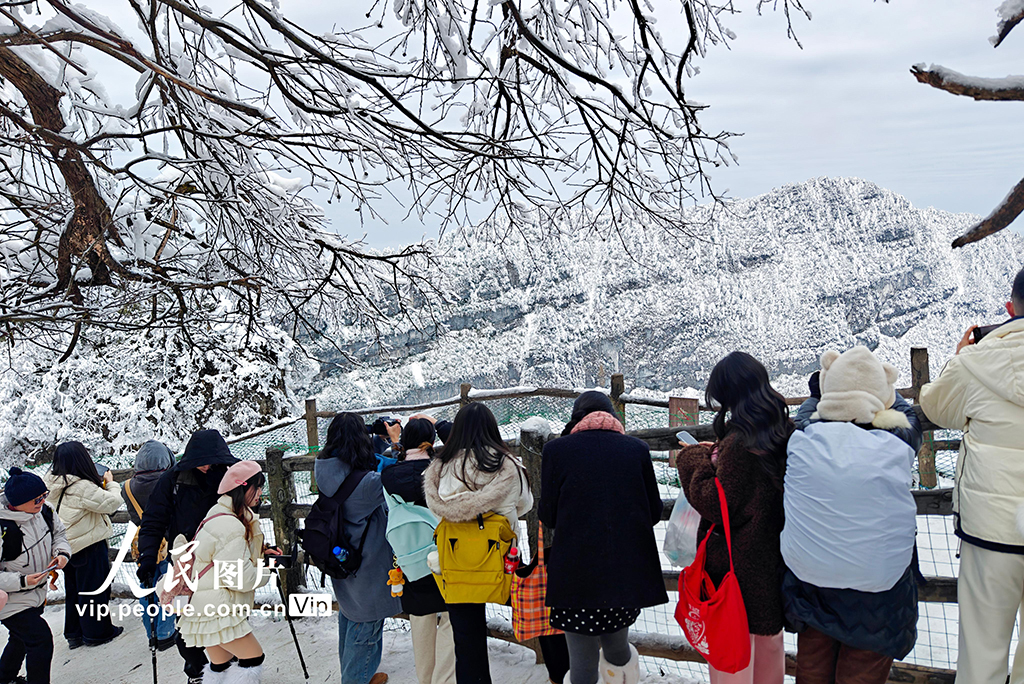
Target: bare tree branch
{"points": [[1008, 210]]}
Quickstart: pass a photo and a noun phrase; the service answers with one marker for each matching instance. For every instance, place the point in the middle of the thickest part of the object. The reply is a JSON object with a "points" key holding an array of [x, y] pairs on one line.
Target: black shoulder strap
{"points": [[349, 486], [65, 491], [48, 517]]}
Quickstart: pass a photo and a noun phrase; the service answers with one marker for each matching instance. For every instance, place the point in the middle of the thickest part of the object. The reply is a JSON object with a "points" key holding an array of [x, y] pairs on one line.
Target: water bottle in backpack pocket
{"points": [[472, 559], [410, 533], [323, 536]]}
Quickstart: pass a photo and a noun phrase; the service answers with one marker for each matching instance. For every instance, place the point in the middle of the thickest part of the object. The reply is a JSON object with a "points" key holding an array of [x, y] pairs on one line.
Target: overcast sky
{"points": [[844, 105]]}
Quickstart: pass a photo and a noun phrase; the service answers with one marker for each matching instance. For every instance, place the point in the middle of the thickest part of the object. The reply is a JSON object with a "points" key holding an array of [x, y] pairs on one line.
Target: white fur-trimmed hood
{"points": [[505, 491]]}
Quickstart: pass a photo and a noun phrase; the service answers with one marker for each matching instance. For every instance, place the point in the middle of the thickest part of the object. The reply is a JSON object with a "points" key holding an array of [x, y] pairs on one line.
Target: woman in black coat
{"points": [[432, 643], [600, 496]]}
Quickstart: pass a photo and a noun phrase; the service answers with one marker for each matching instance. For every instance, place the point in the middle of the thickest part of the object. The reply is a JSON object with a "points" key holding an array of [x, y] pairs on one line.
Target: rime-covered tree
{"points": [[1009, 89], [192, 204]]}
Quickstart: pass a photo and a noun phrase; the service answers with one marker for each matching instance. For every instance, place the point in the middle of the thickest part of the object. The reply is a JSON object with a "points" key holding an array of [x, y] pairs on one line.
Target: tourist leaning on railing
{"points": [[432, 642]]}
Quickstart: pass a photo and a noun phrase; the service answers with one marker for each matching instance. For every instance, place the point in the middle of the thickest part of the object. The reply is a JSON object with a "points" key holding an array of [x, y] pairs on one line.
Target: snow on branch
{"points": [[1003, 215], [193, 204], [1011, 13], [1004, 89]]}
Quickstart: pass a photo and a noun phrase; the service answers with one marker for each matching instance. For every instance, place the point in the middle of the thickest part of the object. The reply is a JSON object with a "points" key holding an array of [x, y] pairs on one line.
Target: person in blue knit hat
{"points": [[33, 542]]}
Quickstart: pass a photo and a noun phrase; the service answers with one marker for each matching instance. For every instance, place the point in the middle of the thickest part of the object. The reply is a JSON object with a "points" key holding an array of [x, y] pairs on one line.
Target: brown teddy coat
{"points": [[756, 517]]}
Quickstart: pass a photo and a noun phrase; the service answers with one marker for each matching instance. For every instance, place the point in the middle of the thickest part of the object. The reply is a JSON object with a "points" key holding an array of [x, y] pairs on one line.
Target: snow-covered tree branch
{"points": [[192, 204], [1010, 88]]}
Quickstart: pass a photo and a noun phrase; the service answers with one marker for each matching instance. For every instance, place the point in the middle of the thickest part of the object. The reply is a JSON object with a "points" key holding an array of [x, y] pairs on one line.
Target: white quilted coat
{"points": [[85, 509], [222, 540]]}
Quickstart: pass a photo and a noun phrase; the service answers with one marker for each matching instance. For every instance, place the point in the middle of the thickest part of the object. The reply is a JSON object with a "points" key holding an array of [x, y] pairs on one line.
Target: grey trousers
{"points": [[584, 653]]}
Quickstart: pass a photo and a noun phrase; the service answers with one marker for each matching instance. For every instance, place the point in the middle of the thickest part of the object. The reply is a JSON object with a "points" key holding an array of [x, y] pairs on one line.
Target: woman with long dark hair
{"points": [[748, 457], [228, 553], [600, 498], [432, 643], [84, 500], [475, 474], [364, 599]]}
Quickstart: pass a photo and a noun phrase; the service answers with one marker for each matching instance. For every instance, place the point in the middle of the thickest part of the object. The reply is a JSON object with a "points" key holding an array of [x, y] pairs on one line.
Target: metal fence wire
{"points": [[937, 546]]}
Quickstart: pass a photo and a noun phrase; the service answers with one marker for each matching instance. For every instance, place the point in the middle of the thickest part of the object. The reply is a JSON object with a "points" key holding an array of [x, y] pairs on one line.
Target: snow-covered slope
{"points": [[826, 263]]}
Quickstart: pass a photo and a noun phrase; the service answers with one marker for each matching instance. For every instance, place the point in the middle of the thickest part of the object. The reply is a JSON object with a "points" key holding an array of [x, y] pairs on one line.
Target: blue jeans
{"points": [[360, 646], [164, 623]]}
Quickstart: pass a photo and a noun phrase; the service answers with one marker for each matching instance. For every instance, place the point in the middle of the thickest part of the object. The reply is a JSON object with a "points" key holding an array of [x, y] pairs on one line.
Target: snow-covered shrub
{"points": [[120, 389]]}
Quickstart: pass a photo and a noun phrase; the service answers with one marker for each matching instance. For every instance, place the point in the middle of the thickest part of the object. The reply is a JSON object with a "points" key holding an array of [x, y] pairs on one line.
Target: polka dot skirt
{"points": [[593, 621]]}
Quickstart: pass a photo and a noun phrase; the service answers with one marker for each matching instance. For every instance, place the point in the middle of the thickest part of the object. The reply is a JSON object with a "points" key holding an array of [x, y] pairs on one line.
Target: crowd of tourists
{"points": [[807, 524]]}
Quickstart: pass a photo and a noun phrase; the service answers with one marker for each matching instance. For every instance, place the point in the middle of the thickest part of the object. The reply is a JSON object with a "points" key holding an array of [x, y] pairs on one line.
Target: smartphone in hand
{"points": [[685, 437], [983, 330]]}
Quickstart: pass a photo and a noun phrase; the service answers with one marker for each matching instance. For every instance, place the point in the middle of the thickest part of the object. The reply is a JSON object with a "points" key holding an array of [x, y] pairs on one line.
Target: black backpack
{"points": [[14, 538], [324, 531]]}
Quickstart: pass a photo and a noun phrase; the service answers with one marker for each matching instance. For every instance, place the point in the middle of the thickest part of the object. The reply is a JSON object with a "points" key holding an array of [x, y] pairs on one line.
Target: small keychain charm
{"points": [[396, 581]]}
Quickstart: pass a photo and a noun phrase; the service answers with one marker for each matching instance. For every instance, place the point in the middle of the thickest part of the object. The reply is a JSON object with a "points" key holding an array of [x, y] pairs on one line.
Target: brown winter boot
{"points": [[379, 678]]}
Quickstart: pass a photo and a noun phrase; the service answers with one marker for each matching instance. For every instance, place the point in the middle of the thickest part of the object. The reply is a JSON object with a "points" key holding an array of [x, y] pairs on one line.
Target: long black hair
{"points": [[475, 431], [418, 433], [349, 440], [239, 504], [72, 458], [589, 402], [750, 408]]}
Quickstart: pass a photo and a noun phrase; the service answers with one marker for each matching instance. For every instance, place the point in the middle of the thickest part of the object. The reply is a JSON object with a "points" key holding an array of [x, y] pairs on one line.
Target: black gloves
{"points": [[814, 384], [146, 574]]}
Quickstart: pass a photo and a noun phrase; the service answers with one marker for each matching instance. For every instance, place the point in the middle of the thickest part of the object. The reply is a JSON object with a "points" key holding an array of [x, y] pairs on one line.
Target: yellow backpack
{"points": [[472, 559]]}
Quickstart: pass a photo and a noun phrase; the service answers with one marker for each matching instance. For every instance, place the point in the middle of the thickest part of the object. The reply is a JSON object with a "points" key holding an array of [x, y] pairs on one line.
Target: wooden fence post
{"points": [[531, 446], [282, 493], [618, 389], [464, 390], [919, 377], [312, 439], [681, 412]]}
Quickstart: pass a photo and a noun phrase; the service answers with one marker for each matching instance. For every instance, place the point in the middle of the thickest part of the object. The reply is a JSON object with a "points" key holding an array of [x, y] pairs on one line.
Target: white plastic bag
{"points": [[681, 535]]}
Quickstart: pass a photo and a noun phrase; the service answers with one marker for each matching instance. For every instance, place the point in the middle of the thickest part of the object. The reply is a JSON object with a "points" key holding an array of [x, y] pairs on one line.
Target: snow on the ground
{"points": [[127, 660]]}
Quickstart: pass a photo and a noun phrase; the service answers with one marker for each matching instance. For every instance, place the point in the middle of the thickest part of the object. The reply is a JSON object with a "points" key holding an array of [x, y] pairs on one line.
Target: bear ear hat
{"points": [[828, 358], [891, 374]]}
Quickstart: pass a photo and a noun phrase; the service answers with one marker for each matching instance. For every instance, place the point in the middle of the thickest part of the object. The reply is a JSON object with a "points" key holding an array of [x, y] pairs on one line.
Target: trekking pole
{"points": [[152, 632], [288, 618]]}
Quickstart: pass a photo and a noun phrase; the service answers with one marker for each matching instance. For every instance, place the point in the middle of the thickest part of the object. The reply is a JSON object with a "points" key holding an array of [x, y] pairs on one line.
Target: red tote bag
{"points": [[714, 620]]}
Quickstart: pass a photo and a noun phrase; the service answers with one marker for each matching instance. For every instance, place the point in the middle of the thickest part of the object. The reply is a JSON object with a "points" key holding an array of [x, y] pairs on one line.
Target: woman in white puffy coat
{"points": [[226, 573], [84, 501]]}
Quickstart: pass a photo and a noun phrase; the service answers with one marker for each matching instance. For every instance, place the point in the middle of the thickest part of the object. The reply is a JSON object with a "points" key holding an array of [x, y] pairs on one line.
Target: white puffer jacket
{"points": [[221, 541], [85, 509], [981, 391]]}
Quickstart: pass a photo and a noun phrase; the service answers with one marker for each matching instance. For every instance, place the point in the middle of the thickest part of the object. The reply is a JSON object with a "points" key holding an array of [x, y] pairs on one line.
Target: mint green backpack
{"points": [[410, 532]]}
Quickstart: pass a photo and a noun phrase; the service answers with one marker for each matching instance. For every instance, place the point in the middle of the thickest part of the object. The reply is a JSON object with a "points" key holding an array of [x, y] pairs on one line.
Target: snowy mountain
{"points": [[784, 276]]}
